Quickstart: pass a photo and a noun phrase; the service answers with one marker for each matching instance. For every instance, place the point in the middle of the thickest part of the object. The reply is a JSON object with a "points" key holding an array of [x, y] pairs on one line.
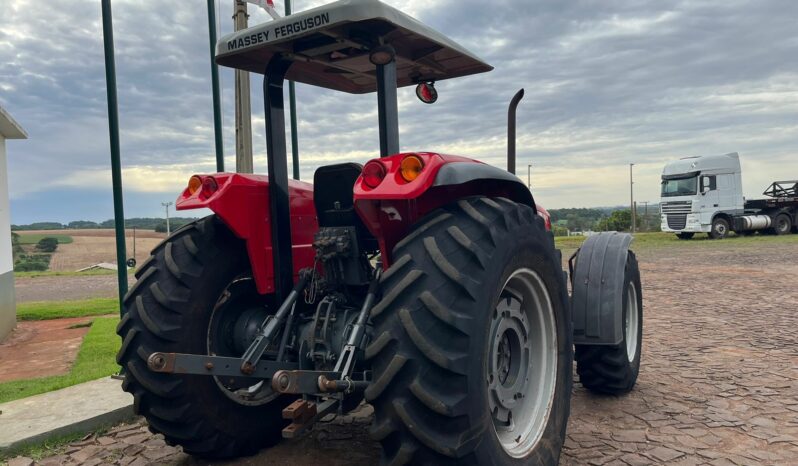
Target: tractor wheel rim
{"points": [[522, 364], [631, 322], [720, 228], [224, 328]]}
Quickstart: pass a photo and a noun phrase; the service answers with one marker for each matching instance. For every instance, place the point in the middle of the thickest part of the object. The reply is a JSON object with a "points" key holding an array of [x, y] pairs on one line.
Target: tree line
{"points": [[143, 223], [602, 219]]}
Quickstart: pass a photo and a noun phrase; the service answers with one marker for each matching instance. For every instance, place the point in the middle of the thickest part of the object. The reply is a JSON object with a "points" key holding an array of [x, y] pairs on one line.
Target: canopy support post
{"points": [[388, 112], [276, 157]]}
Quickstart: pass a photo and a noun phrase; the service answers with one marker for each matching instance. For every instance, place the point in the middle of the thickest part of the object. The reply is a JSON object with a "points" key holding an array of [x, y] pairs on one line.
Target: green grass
{"points": [[25, 238], [96, 359], [665, 240], [43, 310], [50, 273]]}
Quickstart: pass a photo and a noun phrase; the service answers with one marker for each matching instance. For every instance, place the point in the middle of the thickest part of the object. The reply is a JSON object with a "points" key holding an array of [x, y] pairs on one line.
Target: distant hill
{"points": [[145, 223]]}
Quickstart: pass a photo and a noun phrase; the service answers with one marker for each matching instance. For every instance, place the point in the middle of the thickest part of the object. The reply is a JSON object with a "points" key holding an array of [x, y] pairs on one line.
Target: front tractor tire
{"points": [[195, 272], [472, 351], [613, 369]]}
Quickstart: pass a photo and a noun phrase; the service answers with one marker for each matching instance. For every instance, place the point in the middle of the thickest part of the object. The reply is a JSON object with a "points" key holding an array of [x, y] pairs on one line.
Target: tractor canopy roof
{"points": [[330, 46]]}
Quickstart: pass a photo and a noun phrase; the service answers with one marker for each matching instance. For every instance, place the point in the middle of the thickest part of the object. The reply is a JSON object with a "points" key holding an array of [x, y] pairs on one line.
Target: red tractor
{"points": [[427, 285]]}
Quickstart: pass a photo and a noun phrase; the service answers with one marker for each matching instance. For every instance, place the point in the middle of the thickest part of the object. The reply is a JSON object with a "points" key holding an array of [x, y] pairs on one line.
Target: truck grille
{"points": [[677, 221], [676, 207]]}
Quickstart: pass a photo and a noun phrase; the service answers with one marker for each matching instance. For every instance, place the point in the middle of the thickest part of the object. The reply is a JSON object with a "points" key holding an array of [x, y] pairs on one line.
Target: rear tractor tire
{"points": [[472, 354], [187, 292], [685, 235], [614, 369]]}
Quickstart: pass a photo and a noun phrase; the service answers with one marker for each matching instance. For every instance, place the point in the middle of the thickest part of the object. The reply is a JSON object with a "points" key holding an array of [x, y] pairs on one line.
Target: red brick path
{"points": [[41, 348]]}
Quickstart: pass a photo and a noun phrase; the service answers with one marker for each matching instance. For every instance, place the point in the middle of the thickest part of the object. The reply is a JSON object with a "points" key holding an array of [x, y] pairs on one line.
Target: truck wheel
{"points": [[720, 228], [782, 224], [472, 355], [614, 369], [685, 235], [194, 295]]}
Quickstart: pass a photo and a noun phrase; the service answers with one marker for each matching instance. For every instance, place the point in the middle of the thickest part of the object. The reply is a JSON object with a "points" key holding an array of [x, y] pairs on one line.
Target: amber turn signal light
{"points": [[194, 184], [411, 167]]}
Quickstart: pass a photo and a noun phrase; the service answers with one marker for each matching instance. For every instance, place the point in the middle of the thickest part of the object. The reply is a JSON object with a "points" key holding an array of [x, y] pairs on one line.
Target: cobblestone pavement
{"points": [[718, 384]]}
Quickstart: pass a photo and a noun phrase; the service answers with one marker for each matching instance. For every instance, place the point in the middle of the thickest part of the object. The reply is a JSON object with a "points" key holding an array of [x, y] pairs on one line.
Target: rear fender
{"points": [[597, 279], [391, 209], [242, 203]]}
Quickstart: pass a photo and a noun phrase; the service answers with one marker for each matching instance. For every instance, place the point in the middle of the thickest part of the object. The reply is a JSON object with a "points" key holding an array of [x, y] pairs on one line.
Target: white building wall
{"points": [[8, 314]]}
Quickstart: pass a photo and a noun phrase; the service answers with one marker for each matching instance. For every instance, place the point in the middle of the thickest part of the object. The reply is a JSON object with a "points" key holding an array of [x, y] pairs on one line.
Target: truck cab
{"points": [[697, 190]]}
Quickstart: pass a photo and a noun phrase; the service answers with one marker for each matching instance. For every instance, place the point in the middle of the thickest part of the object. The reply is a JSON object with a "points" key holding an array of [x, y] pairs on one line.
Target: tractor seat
{"points": [[332, 196]]}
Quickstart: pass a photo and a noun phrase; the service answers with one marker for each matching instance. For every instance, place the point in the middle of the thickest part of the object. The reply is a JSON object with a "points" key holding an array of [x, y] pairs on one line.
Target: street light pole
{"points": [[529, 176], [166, 205], [632, 197]]}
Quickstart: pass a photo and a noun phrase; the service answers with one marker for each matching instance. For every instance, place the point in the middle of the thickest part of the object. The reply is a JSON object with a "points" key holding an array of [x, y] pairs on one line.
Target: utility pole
{"points": [[243, 107], [529, 176], [168, 229], [632, 197], [292, 108]]}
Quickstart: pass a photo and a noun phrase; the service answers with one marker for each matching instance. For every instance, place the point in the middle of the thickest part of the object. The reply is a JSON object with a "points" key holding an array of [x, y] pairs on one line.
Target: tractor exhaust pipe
{"points": [[511, 130]]}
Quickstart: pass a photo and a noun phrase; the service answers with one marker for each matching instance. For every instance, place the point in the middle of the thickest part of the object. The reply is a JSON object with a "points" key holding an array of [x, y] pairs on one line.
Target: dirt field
{"points": [[90, 247], [718, 383]]}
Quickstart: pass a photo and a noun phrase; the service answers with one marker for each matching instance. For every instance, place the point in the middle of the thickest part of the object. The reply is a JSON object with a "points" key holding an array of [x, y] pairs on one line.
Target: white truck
{"points": [[704, 194]]}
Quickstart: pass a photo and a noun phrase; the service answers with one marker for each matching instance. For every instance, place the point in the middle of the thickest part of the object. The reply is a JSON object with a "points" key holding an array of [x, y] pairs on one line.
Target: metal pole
{"points": [[217, 105], [113, 133], [529, 176], [632, 196], [243, 107], [292, 108], [168, 229], [134, 242]]}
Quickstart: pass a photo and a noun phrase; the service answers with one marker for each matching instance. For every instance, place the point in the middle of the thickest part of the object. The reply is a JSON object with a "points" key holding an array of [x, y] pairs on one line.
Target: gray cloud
{"points": [[607, 83]]}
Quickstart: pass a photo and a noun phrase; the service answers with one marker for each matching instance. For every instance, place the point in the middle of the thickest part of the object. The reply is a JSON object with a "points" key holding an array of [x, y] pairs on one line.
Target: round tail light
{"points": [[209, 186], [373, 174]]}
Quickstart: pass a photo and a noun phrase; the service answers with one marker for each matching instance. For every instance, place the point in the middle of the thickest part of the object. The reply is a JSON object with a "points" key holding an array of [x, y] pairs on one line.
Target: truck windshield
{"points": [[679, 186]]}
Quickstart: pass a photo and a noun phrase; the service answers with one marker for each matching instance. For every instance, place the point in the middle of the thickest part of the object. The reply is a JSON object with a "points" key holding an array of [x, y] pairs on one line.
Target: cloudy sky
{"points": [[607, 83]]}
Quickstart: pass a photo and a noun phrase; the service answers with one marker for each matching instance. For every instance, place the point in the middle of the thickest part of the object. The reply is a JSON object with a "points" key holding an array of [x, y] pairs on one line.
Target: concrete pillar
{"points": [[9, 129]]}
